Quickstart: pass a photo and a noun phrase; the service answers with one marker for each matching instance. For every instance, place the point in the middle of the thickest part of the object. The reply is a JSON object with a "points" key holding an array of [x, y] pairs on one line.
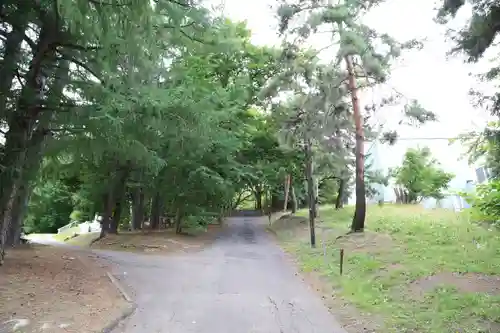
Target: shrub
{"points": [[485, 202], [76, 216]]}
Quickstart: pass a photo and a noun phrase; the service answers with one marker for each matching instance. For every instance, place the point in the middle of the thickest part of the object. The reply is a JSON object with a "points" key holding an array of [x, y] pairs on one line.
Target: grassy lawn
{"points": [[413, 270]]}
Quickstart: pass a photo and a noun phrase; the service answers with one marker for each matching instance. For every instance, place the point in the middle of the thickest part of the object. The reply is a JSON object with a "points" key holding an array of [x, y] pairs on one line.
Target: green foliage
{"points": [[474, 39], [49, 208], [479, 33], [485, 202], [77, 216], [484, 145], [170, 127], [421, 176]]}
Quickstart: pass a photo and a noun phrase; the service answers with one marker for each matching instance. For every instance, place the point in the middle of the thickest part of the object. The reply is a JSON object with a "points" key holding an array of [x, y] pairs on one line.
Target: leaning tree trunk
{"points": [[5, 226], [358, 221], [22, 123], [34, 156], [288, 181], [310, 190], [295, 204], [18, 213], [11, 54]]}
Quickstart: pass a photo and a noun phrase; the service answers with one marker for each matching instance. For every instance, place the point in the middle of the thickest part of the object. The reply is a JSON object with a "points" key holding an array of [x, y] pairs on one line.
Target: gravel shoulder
{"points": [[241, 283]]}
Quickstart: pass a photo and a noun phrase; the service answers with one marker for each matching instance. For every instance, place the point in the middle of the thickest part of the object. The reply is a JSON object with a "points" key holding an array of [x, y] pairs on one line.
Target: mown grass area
{"points": [[385, 268]]}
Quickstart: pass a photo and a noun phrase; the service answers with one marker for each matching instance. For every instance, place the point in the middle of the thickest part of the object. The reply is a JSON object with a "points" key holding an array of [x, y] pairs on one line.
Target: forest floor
{"points": [[157, 241], [413, 270], [55, 289]]}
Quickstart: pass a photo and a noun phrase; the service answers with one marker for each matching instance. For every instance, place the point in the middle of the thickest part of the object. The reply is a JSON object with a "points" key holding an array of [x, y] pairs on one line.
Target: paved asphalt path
{"points": [[241, 284]]}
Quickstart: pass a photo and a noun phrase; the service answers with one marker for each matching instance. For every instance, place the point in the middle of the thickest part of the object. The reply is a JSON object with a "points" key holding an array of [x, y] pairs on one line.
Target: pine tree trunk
{"points": [[339, 202], [117, 215], [310, 190], [295, 204], [288, 180], [22, 122], [154, 219], [178, 221], [108, 204], [258, 198], [137, 208], [316, 197], [11, 54], [358, 221], [6, 225], [118, 195], [18, 212]]}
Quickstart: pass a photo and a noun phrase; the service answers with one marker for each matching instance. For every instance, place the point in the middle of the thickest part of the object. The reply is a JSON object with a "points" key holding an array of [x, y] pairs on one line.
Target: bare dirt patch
{"points": [[464, 283], [158, 241], [367, 241], [289, 222], [56, 290]]}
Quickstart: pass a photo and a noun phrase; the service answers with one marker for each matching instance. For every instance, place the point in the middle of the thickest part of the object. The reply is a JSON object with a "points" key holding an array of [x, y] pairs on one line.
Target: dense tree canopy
{"points": [[151, 111], [146, 105]]}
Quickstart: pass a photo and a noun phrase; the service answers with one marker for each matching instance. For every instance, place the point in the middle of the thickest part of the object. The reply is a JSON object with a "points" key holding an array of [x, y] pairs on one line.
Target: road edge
{"points": [[274, 218], [126, 312]]}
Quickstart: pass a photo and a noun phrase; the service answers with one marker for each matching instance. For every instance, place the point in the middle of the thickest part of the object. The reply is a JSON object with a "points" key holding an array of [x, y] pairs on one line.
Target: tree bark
{"points": [[288, 181], [32, 158], [6, 225], [358, 221], [12, 52], [18, 212], [178, 221], [117, 197], [310, 190], [258, 198], [137, 208], [108, 200], [117, 215], [339, 202], [295, 204], [154, 219], [316, 197], [22, 122]]}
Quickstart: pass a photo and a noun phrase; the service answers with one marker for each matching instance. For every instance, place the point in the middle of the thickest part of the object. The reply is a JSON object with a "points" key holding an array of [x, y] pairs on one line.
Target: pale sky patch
{"points": [[440, 83]]}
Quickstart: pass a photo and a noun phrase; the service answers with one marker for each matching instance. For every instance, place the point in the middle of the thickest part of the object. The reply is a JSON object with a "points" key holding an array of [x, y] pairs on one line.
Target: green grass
{"points": [[377, 275]]}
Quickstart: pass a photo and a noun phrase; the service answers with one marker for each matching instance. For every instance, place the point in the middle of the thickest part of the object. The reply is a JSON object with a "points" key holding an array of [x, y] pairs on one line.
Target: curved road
{"points": [[241, 284]]}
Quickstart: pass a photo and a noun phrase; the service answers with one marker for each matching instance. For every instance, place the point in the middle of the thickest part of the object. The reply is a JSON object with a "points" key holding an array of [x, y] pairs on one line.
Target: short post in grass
{"points": [[341, 261]]}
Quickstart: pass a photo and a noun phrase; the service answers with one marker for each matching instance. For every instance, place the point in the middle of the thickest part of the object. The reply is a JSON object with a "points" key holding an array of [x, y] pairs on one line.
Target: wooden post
{"points": [[341, 261]]}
